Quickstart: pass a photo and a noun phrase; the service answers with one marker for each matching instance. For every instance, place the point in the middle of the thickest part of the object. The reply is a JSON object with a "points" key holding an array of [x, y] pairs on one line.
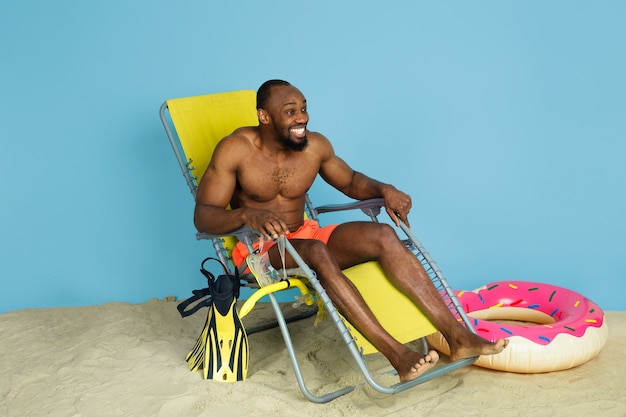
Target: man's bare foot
{"points": [[416, 365], [477, 347]]}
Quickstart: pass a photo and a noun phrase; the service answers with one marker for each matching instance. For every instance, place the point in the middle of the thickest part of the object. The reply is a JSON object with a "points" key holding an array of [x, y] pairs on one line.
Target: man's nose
{"points": [[302, 117]]}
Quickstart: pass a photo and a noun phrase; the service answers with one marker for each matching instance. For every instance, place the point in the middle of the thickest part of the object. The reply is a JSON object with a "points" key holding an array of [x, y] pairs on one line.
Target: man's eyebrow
{"points": [[292, 103]]}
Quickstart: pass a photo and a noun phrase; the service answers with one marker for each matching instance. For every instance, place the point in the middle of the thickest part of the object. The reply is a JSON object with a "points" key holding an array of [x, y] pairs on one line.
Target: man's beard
{"points": [[294, 145], [297, 146]]}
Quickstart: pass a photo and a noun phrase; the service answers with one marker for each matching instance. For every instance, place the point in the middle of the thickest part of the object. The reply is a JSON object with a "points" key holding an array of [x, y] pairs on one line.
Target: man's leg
{"points": [[349, 302], [353, 243]]}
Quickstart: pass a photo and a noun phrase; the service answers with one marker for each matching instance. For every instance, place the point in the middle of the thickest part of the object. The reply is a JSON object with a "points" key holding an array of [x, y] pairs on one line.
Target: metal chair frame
{"points": [[372, 209]]}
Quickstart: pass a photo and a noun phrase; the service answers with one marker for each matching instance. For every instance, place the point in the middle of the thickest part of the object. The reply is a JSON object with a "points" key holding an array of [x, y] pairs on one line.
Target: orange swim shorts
{"points": [[309, 230]]}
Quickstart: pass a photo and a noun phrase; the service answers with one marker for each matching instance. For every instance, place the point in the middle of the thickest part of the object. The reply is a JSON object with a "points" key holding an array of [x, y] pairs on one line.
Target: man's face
{"points": [[289, 117]]}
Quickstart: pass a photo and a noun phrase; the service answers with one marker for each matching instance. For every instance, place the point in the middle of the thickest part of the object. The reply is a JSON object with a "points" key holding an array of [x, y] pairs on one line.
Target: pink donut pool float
{"points": [[549, 328]]}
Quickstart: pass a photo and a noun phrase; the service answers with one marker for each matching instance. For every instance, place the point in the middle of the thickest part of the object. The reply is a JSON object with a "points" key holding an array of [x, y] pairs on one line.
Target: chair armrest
{"points": [[370, 207], [249, 304], [243, 234]]}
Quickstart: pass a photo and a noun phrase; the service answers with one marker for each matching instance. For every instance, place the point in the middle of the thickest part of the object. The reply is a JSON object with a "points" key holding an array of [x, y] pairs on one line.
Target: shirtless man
{"points": [[264, 171]]}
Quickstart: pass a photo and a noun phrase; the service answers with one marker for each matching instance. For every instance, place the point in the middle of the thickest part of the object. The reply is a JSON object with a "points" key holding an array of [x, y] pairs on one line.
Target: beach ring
{"points": [[561, 329]]}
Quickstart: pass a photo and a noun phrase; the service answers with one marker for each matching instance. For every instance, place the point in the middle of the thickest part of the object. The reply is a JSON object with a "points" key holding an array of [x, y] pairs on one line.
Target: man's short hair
{"points": [[263, 93]]}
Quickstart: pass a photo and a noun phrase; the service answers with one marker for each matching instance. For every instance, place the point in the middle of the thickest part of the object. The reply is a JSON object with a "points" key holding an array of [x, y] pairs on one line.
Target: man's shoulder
{"points": [[243, 136], [246, 132], [320, 143], [229, 150]]}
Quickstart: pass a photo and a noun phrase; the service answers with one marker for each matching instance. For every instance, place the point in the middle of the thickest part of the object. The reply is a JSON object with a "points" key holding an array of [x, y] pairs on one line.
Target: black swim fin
{"points": [[222, 348]]}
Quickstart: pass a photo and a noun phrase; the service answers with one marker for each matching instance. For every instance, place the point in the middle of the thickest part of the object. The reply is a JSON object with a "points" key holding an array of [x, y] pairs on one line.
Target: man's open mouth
{"points": [[298, 132]]}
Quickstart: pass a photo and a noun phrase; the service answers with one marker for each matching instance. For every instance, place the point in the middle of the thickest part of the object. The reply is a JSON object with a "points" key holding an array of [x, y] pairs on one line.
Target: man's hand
{"points": [[266, 222], [397, 204]]}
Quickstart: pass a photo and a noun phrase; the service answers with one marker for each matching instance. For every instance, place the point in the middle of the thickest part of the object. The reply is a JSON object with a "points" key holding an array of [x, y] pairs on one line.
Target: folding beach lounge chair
{"points": [[194, 125]]}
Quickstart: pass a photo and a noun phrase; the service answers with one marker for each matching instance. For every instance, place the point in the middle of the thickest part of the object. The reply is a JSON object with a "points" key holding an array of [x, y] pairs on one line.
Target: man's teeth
{"points": [[298, 131]]}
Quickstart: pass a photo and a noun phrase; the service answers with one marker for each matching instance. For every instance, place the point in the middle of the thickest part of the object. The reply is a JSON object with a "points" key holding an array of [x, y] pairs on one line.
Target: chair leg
{"points": [[294, 361]]}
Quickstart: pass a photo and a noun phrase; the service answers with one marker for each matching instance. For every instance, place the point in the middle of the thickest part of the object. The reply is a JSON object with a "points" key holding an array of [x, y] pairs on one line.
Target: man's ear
{"points": [[264, 118]]}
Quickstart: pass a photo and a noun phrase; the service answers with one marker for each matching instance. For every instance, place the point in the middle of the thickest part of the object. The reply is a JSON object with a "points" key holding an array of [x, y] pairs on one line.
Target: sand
{"points": [[121, 359]]}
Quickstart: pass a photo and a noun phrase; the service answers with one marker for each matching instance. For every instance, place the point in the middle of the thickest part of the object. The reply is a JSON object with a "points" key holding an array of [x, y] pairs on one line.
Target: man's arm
{"points": [[214, 194], [359, 186]]}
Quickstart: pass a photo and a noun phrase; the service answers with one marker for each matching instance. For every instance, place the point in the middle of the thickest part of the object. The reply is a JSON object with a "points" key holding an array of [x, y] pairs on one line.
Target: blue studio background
{"points": [[503, 120]]}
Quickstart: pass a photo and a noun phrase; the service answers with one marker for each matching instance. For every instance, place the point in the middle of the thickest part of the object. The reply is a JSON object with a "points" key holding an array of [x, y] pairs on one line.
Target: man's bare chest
{"points": [[263, 182]]}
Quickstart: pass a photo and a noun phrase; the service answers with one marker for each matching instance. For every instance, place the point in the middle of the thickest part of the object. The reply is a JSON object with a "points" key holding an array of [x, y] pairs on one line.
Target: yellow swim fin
{"points": [[222, 348]]}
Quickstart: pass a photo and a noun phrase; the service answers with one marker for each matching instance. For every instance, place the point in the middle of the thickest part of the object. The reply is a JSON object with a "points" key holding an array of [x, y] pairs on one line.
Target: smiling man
{"points": [[264, 172]]}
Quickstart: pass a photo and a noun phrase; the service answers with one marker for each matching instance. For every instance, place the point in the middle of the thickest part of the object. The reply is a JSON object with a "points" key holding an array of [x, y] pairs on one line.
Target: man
{"points": [[264, 171]]}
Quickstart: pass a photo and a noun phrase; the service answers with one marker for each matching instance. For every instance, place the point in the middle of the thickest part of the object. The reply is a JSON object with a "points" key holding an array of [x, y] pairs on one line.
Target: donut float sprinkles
{"points": [[549, 328]]}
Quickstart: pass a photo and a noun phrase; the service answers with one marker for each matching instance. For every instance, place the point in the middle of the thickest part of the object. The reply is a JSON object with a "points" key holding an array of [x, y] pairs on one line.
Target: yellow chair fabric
{"points": [[395, 312], [202, 121]]}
